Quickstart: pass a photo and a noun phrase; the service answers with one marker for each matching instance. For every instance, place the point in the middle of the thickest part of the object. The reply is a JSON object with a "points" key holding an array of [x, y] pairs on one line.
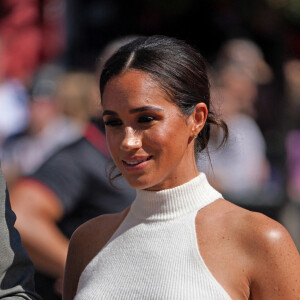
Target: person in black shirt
{"points": [[68, 189]]}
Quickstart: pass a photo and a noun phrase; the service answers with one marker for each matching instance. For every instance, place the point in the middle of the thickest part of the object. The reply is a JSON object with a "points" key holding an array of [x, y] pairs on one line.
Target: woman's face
{"points": [[150, 140]]}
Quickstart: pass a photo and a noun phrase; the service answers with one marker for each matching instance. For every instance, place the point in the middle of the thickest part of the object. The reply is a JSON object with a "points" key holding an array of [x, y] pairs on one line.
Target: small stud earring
{"points": [[195, 135]]}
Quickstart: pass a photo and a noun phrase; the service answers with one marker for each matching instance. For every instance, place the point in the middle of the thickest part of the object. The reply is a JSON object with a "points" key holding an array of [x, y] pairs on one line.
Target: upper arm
{"points": [[85, 243], [87, 240], [276, 262], [31, 197], [75, 263]]}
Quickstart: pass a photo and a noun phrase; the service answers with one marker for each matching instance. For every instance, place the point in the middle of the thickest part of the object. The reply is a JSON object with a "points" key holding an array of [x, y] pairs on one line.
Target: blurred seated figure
{"points": [[69, 188], [236, 86], [58, 113]]}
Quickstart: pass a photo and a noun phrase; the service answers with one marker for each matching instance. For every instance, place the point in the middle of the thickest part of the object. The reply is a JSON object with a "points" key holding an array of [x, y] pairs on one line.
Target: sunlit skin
{"points": [[152, 143], [150, 140]]}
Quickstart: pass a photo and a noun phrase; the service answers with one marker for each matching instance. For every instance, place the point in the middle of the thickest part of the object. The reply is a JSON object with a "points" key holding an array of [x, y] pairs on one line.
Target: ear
{"points": [[199, 117]]}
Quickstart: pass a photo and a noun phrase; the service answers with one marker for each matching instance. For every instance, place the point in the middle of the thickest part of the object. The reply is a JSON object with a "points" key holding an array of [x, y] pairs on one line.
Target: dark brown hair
{"points": [[178, 68]]}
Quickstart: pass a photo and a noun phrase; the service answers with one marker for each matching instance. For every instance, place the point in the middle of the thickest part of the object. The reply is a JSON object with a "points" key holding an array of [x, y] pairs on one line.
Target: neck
{"points": [[174, 202], [185, 171]]}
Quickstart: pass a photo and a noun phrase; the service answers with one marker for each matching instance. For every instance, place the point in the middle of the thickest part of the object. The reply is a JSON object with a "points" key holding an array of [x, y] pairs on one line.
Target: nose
{"points": [[132, 140]]}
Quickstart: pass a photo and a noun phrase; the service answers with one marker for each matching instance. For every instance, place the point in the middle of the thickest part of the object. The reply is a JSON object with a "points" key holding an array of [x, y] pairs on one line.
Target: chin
{"points": [[140, 182]]}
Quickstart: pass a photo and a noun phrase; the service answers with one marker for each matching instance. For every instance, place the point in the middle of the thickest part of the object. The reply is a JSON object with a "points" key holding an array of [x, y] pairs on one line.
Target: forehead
{"points": [[132, 89]]}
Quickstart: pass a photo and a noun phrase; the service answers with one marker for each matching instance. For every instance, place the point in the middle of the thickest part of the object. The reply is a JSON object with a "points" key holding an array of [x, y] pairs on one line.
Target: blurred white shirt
{"points": [[240, 166]]}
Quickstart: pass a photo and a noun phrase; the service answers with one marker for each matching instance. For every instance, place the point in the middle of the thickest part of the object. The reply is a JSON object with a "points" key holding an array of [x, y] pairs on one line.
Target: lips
{"points": [[136, 161]]}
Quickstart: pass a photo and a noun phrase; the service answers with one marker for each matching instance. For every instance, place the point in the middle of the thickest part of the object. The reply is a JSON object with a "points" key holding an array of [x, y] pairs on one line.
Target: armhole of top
{"points": [[202, 263], [112, 230]]}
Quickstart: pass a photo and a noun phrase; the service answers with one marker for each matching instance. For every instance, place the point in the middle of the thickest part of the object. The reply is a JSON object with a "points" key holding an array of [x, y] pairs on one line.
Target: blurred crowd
{"points": [[244, 169], [53, 150]]}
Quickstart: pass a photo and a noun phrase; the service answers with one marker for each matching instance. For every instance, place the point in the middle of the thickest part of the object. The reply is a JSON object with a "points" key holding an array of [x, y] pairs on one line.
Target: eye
{"points": [[113, 123], [145, 119]]}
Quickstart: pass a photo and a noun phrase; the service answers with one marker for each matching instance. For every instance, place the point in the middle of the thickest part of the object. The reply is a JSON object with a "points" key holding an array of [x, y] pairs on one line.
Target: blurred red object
{"points": [[32, 33]]}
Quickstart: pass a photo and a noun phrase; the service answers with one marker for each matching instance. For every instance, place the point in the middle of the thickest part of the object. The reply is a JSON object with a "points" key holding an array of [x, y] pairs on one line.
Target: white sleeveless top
{"points": [[154, 253]]}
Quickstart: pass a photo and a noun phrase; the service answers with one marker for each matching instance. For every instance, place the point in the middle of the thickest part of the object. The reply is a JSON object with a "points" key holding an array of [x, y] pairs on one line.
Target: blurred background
{"points": [[252, 48]]}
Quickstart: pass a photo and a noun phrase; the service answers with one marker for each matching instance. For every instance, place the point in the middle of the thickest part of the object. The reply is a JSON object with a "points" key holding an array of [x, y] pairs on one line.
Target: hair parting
{"points": [[179, 70]]}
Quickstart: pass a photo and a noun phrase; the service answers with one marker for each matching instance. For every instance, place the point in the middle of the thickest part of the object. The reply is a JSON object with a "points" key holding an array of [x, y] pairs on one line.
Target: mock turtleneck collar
{"points": [[175, 202]]}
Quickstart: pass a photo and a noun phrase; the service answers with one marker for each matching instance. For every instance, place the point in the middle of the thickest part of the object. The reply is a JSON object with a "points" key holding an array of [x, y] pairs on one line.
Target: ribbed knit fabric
{"points": [[154, 253]]}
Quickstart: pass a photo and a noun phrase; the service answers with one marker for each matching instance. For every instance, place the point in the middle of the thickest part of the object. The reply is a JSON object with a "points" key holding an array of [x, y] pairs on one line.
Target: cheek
{"points": [[167, 139], [112, 143], [156, 138]]}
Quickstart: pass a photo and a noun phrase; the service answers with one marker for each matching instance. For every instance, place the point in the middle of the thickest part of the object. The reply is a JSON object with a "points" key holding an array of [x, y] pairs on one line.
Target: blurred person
{"points": [[247, 55], [14, 112], [16, 269], [291, 213], [56, 119], [77, 97], [179, 239], [71, 187], [245, 151], [237, 76]]}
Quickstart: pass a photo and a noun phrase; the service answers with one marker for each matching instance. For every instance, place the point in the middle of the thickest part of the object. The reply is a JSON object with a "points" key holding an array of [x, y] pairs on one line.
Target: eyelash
{"points": [[112, 123], [142, 119], [146, 119]]}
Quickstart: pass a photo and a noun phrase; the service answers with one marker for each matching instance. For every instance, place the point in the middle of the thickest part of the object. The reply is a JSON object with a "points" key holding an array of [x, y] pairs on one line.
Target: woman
{"points": [[179, 239]]}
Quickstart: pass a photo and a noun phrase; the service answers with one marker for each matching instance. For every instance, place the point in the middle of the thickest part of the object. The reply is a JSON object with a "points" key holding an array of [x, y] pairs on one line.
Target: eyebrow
{"points": [[134, 110]]}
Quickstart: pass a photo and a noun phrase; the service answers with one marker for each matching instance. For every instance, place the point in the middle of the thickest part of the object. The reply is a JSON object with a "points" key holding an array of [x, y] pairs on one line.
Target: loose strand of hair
{"points": [[212, 119]]}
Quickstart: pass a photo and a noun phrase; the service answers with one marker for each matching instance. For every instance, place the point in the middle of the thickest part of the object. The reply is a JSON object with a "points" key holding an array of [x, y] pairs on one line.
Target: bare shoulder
{"points": [[253, 230], [249, 227], [272, 259], [97, 231], [92, 236], [85, 243], [259, 232], [275, 258]]}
